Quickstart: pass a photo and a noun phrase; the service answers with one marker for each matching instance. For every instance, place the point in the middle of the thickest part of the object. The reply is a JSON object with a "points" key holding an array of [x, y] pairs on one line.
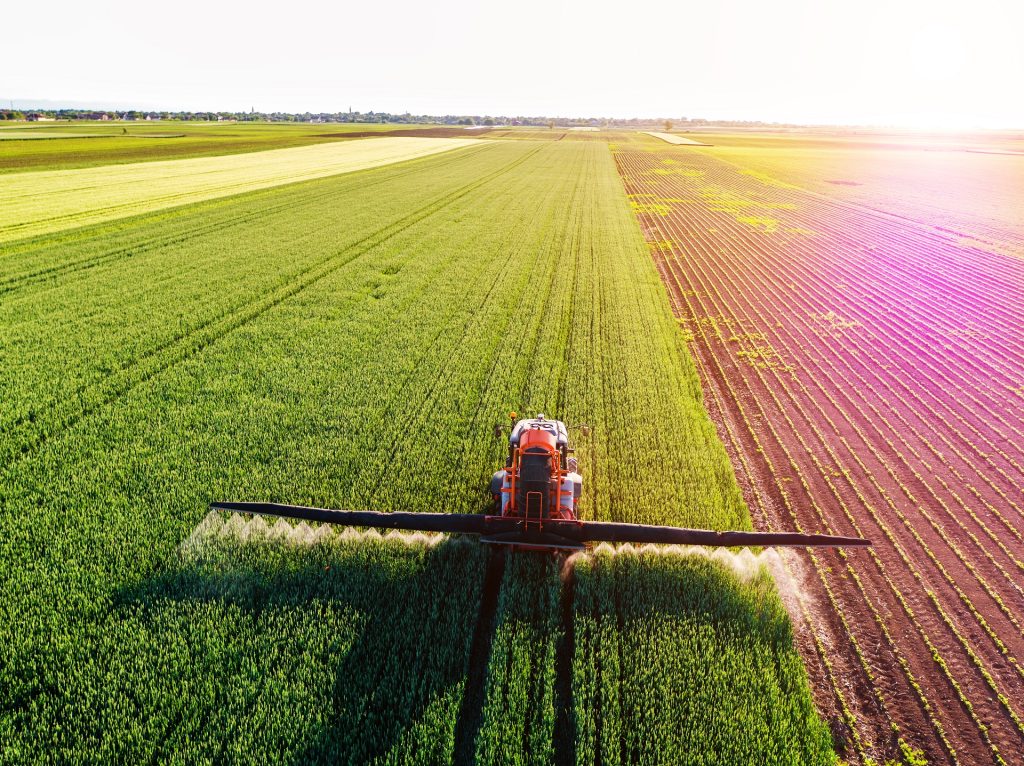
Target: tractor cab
{"points": [[534, 430]]}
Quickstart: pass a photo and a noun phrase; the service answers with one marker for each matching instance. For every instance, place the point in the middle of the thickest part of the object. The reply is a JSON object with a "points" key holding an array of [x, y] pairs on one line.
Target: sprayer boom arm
{"points": [[578, 532]]}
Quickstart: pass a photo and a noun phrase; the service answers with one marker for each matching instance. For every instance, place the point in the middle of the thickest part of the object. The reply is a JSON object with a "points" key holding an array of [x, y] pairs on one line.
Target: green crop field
{"points": [[7, 134], [48, 201], [351, 341], [50, 145]]}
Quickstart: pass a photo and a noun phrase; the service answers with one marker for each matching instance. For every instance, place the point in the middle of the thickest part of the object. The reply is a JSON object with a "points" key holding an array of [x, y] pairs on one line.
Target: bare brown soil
{"points": [[866, 374]]}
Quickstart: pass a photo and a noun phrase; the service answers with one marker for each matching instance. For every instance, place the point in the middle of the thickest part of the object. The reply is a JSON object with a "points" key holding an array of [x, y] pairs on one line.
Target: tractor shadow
{"points": [[355, 650], [360, 649]]}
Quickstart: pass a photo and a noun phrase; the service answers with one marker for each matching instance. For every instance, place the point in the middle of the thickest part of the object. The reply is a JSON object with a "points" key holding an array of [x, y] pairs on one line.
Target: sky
{"points": [[916, 63]]}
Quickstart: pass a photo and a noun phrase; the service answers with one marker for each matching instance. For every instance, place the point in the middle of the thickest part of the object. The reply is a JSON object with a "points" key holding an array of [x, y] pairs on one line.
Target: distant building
{"points": [[37, 117]]}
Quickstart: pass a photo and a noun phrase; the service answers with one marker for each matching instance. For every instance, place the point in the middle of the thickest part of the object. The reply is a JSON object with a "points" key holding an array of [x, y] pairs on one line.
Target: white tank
{"points": [[506, 495], [572, 486]]}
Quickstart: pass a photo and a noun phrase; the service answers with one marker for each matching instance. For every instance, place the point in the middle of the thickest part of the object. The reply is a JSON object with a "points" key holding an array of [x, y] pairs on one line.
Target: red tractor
{"points": [[539, 482]]}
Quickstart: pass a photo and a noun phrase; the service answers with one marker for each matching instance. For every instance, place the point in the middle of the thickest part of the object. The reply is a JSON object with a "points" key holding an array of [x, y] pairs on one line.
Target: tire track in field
{"points": [[470, 719], [415, 415], [565, 650], [539, 317], [544, 271], [14, 420], [29, 433], [52, 273], [500, 381], [477, 440], [532, 304], [411, 415]]}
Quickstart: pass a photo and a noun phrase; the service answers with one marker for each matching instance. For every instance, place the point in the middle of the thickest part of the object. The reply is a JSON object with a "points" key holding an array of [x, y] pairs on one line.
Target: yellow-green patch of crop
{"points": [[768, 180], [829, 324], [743, 209], [112, 143], [676, 171], [748, 337], [764, 357], [728, 201], [47, 201], [724, 200], [761, 222], [28, 135], [651, 208]]}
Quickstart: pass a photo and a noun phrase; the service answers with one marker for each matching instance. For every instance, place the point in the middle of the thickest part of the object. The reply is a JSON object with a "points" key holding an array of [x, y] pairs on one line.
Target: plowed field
{"points": [[867, 374]]}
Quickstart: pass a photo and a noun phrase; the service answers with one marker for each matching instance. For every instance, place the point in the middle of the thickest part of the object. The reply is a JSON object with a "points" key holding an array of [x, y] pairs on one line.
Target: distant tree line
{"points": [[681, 123]]}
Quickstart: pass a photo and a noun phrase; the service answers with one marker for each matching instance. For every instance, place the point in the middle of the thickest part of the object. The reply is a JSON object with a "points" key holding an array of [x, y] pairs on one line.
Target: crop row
{"points": [[519, 711]]}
